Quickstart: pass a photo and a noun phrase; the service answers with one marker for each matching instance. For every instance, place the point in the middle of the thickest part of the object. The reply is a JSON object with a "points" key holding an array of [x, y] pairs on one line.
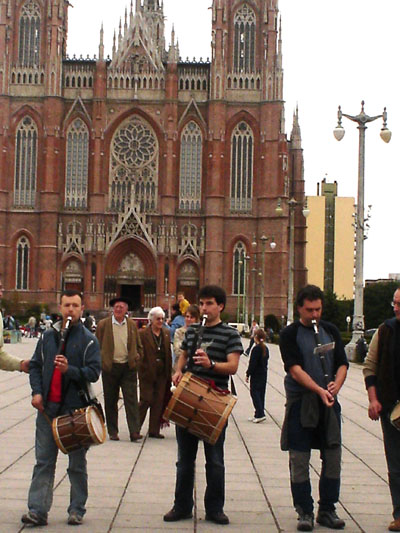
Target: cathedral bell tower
{"points": [[246, 49], [33, 43]]}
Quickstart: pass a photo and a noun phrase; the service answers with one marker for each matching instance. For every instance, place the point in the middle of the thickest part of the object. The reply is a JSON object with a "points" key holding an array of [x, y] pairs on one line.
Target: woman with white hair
{"points": [[155, 370]]}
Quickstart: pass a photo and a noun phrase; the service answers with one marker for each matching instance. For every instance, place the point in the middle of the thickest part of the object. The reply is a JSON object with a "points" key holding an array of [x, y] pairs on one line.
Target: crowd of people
{"points": [[145, 360]]}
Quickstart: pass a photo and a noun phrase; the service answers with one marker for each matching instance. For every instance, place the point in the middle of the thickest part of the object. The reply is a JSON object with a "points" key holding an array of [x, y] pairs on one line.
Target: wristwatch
{"points": [[212, 364]]}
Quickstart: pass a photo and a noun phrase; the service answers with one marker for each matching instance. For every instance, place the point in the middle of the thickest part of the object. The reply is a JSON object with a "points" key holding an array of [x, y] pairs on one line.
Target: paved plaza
{"points": [[131, 485]]}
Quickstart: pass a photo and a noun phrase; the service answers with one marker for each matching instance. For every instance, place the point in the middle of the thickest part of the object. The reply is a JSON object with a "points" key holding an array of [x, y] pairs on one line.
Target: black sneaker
{"points": [[218, 518], [330, 519], [174, 515], [305, 521], [33, 519]]}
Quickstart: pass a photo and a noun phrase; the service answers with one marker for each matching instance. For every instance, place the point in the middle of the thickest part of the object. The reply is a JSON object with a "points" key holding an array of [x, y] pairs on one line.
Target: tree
{"points": [[377, 303]]}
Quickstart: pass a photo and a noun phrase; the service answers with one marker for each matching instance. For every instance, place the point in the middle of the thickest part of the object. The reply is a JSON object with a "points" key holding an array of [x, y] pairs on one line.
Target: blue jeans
{"points": [[214, 497], [391, 439], [40, 495], [301, 440]]}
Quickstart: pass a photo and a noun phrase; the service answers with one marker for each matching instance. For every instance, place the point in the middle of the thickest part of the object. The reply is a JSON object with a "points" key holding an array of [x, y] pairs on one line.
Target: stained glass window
{"points": [[22, 264], [242, 152], [76, 165], [245, 40], [190, 168], [239, 268], [134, 166], [26, 140], [29, 35]]}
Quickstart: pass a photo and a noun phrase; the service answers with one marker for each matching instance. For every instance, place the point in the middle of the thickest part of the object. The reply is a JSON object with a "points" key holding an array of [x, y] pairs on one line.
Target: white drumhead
{"points": [[96, 424], [395, 414]]}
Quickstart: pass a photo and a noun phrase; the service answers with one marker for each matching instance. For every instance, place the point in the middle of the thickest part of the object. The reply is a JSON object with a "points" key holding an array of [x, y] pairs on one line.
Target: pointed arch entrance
{"points": [[188, 280], [131, 272]]}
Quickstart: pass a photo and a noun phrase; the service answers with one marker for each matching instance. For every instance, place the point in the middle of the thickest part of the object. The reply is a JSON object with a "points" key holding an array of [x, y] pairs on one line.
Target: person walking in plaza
{"points": [[216, 359], [257, 373], [7, 361], [121, 350], [253, 329], [192, 316], [55, 382], [312, 416], [155, 370], [382, 381]]}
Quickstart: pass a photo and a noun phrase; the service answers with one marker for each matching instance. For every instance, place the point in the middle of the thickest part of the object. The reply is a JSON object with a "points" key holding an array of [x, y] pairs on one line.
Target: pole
{"points": [[263, 241], [290, 316]]}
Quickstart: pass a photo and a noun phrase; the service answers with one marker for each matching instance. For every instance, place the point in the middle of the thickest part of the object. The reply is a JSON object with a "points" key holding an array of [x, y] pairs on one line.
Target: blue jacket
{"points": [[83, 354]]}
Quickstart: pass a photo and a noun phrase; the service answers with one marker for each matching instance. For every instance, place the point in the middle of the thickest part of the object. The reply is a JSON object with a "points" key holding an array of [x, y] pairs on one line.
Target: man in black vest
{"points": [[382, 380]]}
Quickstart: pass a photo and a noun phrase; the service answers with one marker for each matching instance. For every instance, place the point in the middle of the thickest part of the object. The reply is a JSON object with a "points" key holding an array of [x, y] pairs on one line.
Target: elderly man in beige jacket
{"points": [[121, 350], [7, 361]]}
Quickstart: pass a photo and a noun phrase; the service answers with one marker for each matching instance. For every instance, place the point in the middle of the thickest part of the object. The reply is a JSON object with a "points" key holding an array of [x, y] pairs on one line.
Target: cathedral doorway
{"points": [[129, 277], [188, 281], [134, 293]]}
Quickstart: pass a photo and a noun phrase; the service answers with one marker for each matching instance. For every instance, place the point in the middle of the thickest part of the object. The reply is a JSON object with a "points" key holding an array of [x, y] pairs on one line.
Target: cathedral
{"points": [[142, 174]]}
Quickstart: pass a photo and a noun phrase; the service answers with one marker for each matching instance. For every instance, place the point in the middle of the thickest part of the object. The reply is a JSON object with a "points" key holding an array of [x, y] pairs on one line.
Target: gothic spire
{"points": [[295, 136], [101, 45]]}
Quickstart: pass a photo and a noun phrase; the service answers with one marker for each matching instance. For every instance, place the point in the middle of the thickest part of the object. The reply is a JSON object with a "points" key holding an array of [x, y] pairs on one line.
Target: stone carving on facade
{"points": [[73, 240], [190, 242], [131, 268], [73, 272], [130, 224]]}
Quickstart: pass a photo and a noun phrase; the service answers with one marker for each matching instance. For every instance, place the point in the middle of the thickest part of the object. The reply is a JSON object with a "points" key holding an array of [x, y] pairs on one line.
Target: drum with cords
{"points": [[395, 416], [200, 408], [80, 429]]}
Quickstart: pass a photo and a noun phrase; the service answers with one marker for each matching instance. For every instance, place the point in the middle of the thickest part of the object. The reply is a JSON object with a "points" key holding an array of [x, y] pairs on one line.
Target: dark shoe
{"points": [[75, 519], [330, 519], [218, 518], [33, 519], [305, 522], [136, 436], [114, 436], [173, 515], [394, 525], [156, 436]]}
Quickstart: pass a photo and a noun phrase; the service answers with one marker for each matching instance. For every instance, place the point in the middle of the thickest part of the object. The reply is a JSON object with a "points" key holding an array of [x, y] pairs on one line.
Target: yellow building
{"points": [[330, 241]]}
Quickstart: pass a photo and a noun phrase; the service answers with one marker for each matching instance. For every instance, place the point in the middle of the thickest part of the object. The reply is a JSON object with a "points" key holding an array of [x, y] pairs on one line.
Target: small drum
{"points": [[395, 416], [195, 405], [81, 429]]}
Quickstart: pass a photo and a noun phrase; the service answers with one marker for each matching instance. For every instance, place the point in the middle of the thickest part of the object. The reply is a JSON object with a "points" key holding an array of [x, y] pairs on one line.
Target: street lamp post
{"points": [[292, 204], [362, 119], [253, 280], [272, 244], [240, 262], [246, 289]]}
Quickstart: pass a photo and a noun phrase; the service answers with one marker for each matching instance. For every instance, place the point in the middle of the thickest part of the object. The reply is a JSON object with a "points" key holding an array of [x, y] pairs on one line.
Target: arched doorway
{"points": [[130, 272], [188, 280], [72, 277]]}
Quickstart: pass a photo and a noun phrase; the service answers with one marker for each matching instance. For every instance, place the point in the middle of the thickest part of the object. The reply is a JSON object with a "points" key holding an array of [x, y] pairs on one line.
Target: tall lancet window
{"points": [[26, 141], [22, 264], [242, 153], [245, 40], [29, 35], [76, 165], [190, 169], [239, 268]]}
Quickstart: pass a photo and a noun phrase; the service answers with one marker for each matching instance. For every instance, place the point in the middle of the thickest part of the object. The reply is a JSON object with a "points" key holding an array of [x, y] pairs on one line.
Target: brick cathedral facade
{"points": [[141, 174]]}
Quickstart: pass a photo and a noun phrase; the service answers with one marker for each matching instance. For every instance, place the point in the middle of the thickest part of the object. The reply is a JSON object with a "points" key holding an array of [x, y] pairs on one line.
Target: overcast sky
{"points": [[334, 52]]}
